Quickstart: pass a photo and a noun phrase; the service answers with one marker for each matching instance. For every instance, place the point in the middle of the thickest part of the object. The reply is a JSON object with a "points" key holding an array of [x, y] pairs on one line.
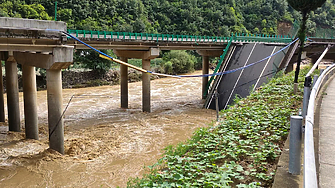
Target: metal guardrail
{"points": [[237, 37], [310, 177]]}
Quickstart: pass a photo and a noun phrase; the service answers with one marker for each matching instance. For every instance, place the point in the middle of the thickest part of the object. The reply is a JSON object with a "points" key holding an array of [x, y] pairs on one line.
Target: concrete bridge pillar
{"points": [[30, 101], [3, 56], [205, 67], [124, 83], [53, 61], [12, 94], [55, 105], [146, 56], [205, 70], [146, 86]]}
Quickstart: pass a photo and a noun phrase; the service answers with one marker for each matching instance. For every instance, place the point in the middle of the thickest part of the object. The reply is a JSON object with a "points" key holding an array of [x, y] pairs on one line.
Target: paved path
{"points": [[327, 138]]}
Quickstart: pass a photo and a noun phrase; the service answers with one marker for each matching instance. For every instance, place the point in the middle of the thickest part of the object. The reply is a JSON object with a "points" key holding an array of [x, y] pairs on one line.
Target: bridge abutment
{"points": [[30, 101], [12, 94]]}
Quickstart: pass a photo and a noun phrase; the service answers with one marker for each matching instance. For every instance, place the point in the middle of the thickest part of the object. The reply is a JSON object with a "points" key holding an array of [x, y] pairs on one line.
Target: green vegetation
{"points": [[183, 17], [241, 151], [197, 17], [90, 59], [178, 61], [20, 9]]}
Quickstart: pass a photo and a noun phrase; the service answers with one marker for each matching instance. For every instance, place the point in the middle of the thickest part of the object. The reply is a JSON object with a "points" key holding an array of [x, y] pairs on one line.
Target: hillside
{"points": [[198, 17]]}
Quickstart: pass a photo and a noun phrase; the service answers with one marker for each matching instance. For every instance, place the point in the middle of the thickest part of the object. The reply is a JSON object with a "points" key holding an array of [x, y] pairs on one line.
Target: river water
{"points": [[104, 144]]}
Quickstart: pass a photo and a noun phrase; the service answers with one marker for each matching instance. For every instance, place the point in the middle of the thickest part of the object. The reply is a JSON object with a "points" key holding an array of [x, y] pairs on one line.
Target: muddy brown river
{"points": [[104, 144]]}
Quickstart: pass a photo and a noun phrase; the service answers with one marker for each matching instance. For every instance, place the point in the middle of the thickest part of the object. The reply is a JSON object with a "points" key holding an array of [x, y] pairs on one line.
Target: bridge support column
{"points": [[30, 101], [12, 94], [146, 86], [145, 55], [205, 67], [55, 105], [124, 83], [2, 101], [205, 70]]}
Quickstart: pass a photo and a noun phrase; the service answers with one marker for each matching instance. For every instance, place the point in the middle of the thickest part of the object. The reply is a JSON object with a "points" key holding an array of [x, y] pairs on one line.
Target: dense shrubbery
{"points": [[177, 61], [241, 151], [90, 59]]}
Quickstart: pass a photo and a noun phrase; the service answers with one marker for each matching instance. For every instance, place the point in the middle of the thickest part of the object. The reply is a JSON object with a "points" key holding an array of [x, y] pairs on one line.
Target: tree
{"points": [[178, 61], [304, 7], [91, 60]]}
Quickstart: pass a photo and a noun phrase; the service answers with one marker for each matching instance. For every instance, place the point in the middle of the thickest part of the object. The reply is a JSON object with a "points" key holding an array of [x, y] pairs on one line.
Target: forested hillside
{"points": [[198, 17]]}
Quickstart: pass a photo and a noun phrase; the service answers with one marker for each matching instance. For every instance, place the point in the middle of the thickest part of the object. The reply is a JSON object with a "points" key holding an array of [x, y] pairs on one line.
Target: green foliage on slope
{"points": [[198, 17], [18, 8]]}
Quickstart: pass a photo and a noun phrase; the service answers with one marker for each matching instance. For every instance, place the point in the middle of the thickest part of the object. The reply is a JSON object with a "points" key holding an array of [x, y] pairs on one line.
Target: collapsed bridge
{"points": [[43, 44]]}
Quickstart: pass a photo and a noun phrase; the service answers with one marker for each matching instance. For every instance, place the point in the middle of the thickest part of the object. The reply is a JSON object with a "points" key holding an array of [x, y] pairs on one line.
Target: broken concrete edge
{"points": [[7, 22]]}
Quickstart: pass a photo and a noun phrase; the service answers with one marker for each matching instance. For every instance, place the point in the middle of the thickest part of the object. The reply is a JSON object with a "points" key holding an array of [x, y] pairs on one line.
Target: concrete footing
{"points": [[30, 101], [55, 106], [205, 70], [146, 86], [12, 95], [124, 83]]}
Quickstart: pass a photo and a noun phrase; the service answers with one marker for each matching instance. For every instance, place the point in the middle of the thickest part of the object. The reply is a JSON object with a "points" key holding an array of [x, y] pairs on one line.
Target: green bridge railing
{"points": [[237, 37]]}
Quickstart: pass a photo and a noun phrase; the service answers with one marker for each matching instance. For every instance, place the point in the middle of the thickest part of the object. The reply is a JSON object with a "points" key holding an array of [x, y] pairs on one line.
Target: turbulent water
{"points": [[104, 144]]}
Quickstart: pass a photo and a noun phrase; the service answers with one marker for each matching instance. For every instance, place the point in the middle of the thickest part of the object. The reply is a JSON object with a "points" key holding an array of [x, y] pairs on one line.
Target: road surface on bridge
{"points": [[326, 137]]}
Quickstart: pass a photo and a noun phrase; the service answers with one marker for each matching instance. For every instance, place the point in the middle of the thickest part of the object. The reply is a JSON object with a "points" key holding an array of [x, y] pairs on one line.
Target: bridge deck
{"points": [[143, 41]]}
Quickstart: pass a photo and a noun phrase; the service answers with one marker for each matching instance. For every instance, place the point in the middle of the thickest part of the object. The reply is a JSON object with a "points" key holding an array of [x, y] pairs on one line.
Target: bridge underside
{"points": [[313, 50], [242, 82]]}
